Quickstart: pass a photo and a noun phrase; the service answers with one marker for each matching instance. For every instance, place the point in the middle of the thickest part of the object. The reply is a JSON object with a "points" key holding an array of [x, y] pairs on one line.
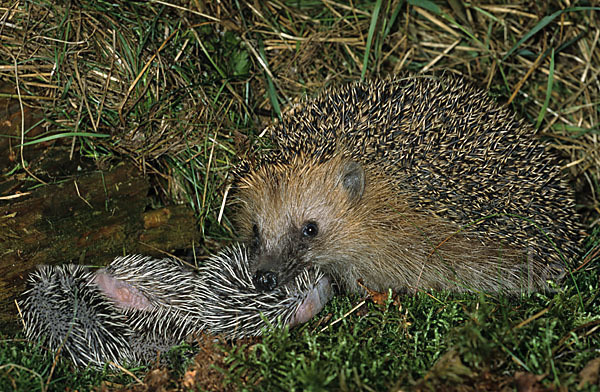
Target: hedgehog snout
{"points": [[271, 272], [266, 271], [265, 280]]}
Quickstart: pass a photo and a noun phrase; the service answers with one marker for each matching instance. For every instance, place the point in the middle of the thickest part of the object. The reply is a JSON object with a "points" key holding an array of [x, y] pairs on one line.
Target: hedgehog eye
{"points": [[310, 229]]}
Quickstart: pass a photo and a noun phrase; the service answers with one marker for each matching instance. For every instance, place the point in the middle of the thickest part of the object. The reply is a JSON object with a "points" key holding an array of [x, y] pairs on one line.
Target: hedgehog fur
{"points": [[65, 309], [233, 306], [165, 288], [139, 307], [420, 182]]}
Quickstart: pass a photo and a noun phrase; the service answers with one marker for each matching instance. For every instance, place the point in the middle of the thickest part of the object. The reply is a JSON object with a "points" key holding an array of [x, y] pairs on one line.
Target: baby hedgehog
{"points": [[407, 183], [138, 307]]}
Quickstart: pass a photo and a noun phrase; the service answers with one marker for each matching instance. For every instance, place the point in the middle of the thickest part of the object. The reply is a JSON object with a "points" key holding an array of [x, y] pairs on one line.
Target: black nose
{"points": [[265, 280]]}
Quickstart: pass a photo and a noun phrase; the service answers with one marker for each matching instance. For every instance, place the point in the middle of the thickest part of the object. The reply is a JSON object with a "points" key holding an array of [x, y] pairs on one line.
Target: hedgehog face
{"points": [[291, 214]]}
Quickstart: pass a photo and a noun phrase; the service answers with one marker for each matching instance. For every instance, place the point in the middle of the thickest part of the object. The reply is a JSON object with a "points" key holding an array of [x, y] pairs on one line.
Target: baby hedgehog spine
{"points": [[63, 308], [163, 287], [234, 307], [160, 299], [139, 306], [405, 183]]}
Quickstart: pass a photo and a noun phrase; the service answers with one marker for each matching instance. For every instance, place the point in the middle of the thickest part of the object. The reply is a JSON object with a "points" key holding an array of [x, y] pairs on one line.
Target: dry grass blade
{"points": [[154, 93]]}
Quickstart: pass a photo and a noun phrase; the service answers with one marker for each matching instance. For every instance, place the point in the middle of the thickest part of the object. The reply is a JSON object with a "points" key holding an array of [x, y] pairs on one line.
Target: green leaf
{"points": [[241, 64], [548, 92], [374, 17], [426, 4], [543, 23], [64, 134]]}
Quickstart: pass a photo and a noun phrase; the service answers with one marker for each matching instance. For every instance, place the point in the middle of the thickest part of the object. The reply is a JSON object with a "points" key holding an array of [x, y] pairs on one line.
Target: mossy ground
{"points": [[424, 341], [182, 89]]}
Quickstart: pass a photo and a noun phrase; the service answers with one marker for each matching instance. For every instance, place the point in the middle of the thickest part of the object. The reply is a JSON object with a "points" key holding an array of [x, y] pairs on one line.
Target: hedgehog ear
{"points": [[352, 178]]}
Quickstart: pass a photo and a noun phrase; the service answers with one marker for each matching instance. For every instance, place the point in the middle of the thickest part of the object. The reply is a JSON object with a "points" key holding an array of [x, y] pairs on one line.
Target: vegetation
{"points": [[183, 88]]}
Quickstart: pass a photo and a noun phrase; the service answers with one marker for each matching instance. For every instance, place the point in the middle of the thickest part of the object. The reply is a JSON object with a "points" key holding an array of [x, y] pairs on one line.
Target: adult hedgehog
{"points": [[407, 183]]}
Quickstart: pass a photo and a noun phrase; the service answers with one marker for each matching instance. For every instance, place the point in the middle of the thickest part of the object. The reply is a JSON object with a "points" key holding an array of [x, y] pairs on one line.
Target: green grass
{"points": [[25, 366], [384, 347], [422, 341], [379, 349]]}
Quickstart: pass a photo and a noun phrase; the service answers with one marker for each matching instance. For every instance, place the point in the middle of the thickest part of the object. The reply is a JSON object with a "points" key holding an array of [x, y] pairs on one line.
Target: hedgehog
{"points": [[66, 311], [139, 307], [232, 305], [406, 183]]}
